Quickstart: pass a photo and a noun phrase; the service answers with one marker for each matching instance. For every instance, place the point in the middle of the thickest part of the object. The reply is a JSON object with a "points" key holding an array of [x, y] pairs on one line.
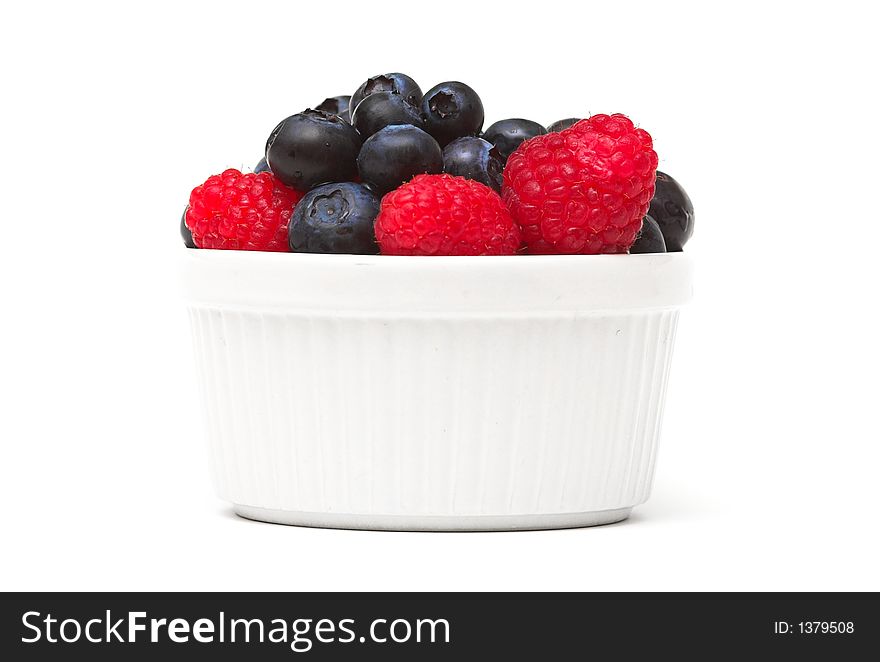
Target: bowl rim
{"points": [[382, 284]]}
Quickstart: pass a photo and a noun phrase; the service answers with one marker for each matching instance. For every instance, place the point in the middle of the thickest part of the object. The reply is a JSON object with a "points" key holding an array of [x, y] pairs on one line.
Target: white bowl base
{"points": [[433, 522]]}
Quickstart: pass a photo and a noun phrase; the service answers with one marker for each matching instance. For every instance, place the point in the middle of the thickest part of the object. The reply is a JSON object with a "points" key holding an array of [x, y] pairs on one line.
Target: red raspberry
{"points": [[445, 215], [582, 190], [241, 211]]}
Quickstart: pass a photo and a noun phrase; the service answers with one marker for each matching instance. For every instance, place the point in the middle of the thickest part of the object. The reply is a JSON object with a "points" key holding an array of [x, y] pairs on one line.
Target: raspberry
{"points": [[584, 189], [241, 211], [445, 215]]}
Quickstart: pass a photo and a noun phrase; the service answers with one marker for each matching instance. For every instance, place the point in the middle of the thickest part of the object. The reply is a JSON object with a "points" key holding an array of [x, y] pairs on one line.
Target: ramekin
{"points": [[434, 393]]}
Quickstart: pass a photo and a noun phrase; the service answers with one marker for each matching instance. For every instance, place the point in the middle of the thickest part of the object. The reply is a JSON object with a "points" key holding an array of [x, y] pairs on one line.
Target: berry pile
{"points": [[394, 171]]}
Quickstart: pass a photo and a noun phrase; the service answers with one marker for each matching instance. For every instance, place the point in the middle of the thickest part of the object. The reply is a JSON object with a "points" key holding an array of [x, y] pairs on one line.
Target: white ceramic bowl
{"points": [[434, 393]]}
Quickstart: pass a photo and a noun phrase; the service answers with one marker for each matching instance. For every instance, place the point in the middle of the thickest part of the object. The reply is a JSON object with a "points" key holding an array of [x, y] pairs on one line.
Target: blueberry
{"points": [[335, 218], [474, 158], [398, 83], [262, 166], [382, 109], [561, 125], [649, 239], [185, 232], [452, 110], [672, 209], [396, 154], [507, 135], [338, 106], [313, 147]]}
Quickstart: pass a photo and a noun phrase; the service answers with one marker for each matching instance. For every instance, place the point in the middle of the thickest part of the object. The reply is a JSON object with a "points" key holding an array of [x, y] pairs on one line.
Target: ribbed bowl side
{"points": [[433, 415]]}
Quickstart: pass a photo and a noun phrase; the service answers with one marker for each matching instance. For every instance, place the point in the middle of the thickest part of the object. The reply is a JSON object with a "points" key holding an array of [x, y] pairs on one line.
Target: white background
{"points": [[766, 112]]}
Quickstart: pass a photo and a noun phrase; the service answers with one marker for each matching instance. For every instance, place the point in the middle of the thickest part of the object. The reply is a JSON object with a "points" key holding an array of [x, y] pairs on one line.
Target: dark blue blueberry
{"points": [[185, 233], [396, 82], [649, 239], [475, 159], [382, 109], [338, 106], [507, 135], [396, 154], [452, 110], [262, 166], [674, 212], [561, 125], [335, 218], [311, 148]]}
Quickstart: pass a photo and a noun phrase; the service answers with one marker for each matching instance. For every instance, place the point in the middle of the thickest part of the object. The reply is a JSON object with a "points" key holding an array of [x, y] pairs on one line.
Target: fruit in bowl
{"points": [[578, 186]]}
